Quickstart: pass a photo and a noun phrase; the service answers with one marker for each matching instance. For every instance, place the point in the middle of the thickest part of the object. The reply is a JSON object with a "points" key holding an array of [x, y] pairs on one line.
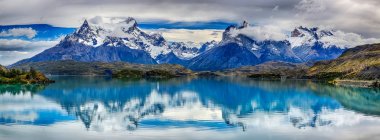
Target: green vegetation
{"points": [[376, 84], [328, 76], [151, 74], [359, 66], [129, 73], [159, 74], [15, 76], [68, 67], [360, 63], [265, 76], [270, 70]]}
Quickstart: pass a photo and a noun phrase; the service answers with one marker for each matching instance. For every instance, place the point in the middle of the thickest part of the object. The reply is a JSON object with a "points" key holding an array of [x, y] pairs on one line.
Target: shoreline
{"points": [[354, 83]]}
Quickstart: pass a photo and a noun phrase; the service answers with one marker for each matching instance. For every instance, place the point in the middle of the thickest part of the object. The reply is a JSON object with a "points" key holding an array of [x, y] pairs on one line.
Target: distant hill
{"points": [[69, 67], [2, 68], [17, 76], [362, 62], [227, 56], [277, 69]]}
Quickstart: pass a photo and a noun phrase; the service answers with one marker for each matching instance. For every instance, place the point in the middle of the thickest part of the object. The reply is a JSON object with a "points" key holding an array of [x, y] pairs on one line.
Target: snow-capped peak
{"points": [[315, 32], [124, 32], [236, 33], [119, 33], [85, 34], [184, 50], [84, 28], [303, 36], [131, 21]]}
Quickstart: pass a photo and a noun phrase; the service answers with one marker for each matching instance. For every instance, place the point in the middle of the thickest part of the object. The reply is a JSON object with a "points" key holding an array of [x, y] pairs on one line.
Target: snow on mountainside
{"points": [[109, 41], [265, 42], [126, 33], [308, 36], [106, 42], [313, 44], [302, 36], [183, 50], [207, 46], [269, 43], [244, 41], [120, 34], [188, 50]]}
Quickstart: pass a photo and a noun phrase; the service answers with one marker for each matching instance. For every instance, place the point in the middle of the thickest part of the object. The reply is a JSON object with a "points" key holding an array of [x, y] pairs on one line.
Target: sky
{"points": [[182, 20]]}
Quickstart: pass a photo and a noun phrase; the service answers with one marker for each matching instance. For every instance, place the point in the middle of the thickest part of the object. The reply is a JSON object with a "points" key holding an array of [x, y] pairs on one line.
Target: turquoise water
{"points": [[184, 108]]}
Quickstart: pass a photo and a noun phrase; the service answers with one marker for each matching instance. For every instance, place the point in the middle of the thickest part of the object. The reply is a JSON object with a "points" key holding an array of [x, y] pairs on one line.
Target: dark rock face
{"points": [[124, 54], [313, 49], [85, 45], [241, 50], [317, 52], [207, 46], [170, 58], [295, 33], [277, 51], [227, 56], [68, 50]]}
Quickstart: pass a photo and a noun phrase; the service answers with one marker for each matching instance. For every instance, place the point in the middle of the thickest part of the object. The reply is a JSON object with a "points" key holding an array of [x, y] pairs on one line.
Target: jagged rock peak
{"points": [[84, 28], [295, 33], [244, 25], [85, 23], [316, 32], [131, 21]]}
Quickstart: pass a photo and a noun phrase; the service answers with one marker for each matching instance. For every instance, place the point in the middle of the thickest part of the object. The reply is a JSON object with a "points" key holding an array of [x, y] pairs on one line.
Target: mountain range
{"points": [[124, 41]]}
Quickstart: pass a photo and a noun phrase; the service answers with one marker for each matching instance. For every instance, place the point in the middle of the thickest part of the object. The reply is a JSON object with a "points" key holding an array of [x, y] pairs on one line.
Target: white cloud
{"points": [[23, 45], [358, 16], [276, 8], [261, 33], [185, 35], [311, 6], [342, 39], [19, 32], [13, 50]]}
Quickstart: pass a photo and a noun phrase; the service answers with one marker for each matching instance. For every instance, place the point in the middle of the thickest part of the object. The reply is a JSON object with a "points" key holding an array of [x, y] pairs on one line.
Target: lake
{"points": [[187, 108]]}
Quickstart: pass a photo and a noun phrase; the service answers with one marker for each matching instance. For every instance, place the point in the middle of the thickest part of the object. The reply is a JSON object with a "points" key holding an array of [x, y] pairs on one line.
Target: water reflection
{"points": [[104, 104], [19, 104]]}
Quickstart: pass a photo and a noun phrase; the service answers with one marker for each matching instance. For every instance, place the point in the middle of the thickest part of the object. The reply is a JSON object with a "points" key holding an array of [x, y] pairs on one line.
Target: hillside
{"points": [[272, 69], [362, 62], [2, 68], [227, 56], [15, 76], [68, 67]]}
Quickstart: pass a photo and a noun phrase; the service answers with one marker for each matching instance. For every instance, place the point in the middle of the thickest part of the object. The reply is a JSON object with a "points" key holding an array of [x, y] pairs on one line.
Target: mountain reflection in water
{"points": [[104, 104]]}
